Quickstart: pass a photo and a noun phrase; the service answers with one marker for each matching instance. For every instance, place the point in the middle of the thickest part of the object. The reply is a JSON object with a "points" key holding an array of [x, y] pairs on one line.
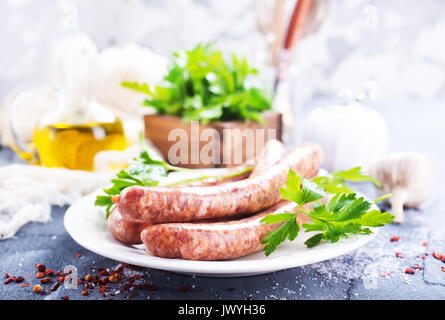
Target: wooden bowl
{"points": [[215, 145]]}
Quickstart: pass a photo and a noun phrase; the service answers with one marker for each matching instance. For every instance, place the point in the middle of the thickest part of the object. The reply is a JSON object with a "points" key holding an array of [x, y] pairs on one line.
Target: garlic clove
{"points": [[407, 176]]}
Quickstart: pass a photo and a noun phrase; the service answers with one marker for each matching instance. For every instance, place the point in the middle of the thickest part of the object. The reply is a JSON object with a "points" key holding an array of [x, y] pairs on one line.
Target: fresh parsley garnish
{"points": [[202, 86], [346, 214], [337, 181]]}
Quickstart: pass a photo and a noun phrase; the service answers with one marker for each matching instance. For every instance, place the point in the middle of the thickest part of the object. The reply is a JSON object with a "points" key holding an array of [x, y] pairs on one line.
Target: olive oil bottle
{"points": [[78, 127]]}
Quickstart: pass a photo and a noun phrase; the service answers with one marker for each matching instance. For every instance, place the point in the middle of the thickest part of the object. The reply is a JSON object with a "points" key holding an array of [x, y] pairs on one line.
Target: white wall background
{"points": [[398, 43]]}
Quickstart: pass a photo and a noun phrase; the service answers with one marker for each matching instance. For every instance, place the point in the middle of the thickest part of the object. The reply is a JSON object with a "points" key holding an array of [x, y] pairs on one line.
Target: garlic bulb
{"points": [[407, 176], [351, 135]]}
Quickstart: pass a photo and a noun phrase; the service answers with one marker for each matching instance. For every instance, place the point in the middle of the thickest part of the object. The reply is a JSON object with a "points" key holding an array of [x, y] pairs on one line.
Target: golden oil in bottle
{"points": [[74, 146]]}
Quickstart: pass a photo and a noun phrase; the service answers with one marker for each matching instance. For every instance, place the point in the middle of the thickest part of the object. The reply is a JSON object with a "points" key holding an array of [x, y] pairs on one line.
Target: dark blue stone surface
{"points": [[372, 272]]}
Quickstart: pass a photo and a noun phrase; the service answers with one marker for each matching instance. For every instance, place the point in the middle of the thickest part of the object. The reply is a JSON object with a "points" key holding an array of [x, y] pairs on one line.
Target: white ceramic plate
{"points": [[87, 226]]}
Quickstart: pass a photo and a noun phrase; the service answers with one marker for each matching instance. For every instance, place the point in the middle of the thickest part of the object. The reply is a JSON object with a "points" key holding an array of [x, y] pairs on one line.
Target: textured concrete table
{"points": [[372, 272]]}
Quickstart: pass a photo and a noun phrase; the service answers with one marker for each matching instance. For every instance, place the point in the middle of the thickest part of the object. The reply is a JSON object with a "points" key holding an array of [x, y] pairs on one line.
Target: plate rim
{"points": [[231, 268]]}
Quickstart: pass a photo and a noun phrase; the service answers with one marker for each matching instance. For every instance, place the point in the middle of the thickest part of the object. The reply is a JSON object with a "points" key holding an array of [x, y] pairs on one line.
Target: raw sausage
{"points": [[212, 241], [215, 241], [155, 205], [128, 232]]}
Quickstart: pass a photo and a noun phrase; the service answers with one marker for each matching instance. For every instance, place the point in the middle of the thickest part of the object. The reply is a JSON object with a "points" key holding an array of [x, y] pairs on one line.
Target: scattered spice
{"points": [[9, 280], [19, 279], [185, 289], [399, 254], [409, 271], [394, 239], [89, 278], [65, 298], [40, 275], [49, 272], [85, 293], [40, 267], [7, 275], [37, 288], [439, 256], [24, 285], [425, 244], [77, 255], [55, 286], [45, 280]]}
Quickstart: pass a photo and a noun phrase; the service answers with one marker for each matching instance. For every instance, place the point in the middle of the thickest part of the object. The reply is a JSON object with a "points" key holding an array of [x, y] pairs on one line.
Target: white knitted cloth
{"points": [[27, 193]]}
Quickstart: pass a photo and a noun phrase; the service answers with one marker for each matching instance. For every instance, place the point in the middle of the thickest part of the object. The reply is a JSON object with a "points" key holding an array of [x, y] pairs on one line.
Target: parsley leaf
{"points": [[346, 213], [300, 190], [336, 182], [289, 230], [203, 86]]}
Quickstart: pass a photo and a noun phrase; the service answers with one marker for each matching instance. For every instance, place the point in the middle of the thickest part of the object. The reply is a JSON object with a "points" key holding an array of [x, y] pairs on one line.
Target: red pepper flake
{"points": [[385, 274], [425, 244], [394, 239], [416, 266], [85, 293], [7, 275], [24, 285], [40, 275], [399, 254], [65, 298], [40, 267], [437, 255], [49, 272], [409, 271], [185, 289], [55, 286], [133, 295], [19, 279], [77, 255], [423, 257], [60, 274], [110, 298], [12, 279], [102, 289], [443, 269], [45, 280], [43, 292], [116, 199]]}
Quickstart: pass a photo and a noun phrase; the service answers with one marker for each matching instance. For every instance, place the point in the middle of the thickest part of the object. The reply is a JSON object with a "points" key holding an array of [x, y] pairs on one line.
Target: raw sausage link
{"points": [[126, 231], [156, 205], [129, 232], [212, 241]]}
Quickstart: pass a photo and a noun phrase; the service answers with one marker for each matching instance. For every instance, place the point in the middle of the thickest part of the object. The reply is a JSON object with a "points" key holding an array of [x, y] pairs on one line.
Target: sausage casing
{"points": [[212, 241], [155, 205]]}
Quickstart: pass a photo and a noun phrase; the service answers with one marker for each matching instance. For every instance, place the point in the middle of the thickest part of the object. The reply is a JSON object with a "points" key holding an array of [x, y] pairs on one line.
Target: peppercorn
{"points": [[114, 278], [37, 288]]}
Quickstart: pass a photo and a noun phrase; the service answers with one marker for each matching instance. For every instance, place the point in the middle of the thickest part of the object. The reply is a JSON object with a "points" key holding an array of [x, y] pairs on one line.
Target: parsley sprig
{"points": [[202, 86], [346, 213]]}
